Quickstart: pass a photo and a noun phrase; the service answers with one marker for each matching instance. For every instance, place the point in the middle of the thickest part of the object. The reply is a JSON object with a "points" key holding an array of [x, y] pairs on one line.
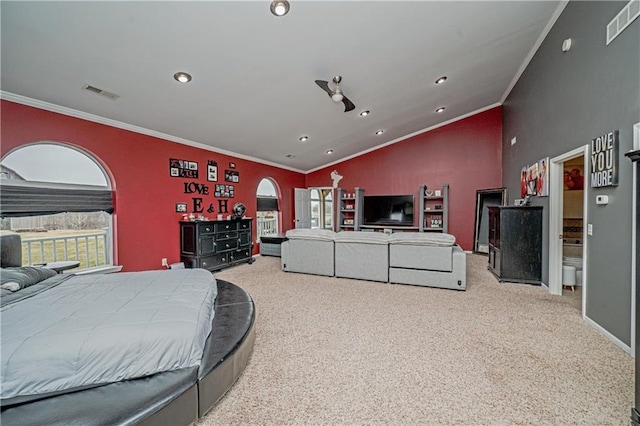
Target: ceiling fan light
{"points": [[337, 97], [279, 7]]}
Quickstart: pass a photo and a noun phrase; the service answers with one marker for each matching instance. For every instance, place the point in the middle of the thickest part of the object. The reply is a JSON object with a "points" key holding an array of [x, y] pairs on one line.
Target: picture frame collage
{"points": [[187, 169]]}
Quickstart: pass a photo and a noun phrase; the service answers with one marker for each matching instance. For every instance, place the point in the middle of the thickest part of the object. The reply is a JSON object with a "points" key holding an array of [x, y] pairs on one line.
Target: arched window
{"points": [[59, 199], [268, 208]]}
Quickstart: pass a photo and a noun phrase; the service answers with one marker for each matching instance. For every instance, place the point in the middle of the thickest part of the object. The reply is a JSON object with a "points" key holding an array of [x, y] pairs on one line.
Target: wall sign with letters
{"points": [[604, 160]]}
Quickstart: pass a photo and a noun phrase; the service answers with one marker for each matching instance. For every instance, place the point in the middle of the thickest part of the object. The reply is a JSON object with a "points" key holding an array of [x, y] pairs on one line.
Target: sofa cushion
{"points": [[362, 237], [310, 234], [427, 257], [422, 239]]}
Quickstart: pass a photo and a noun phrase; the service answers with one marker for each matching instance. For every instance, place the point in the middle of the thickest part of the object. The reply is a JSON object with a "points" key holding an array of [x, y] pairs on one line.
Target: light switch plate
{"points": [[590, 229]]}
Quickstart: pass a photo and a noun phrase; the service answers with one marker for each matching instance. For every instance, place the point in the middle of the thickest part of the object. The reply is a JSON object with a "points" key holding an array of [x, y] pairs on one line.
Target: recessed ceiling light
{"points": [[379, 132], [440, 109], [290, 156], [182, 77], [364, 113], [441, 79], [279, 7], [304, 138], [329, 151]]}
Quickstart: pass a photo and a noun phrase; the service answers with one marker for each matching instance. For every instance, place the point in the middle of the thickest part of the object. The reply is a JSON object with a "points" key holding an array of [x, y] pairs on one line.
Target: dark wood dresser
{"points": [[515, 243], [216, 244]]}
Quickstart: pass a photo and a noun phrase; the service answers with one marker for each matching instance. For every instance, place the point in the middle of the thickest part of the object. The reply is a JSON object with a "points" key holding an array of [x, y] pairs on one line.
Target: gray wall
{"points": [[561, 102]]}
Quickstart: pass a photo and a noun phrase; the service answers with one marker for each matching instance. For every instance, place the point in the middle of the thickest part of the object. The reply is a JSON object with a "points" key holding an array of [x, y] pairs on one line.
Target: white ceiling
{"points": [[253, 92]]}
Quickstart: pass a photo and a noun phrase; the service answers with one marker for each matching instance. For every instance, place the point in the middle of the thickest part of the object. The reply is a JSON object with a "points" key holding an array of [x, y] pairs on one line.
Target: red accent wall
{"points": [[146, 225], [466, 154]]}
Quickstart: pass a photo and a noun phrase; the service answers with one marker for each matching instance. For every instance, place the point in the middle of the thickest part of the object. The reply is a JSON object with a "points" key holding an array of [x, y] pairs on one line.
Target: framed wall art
{"points": [[183, 168], [212, 171], [542, 183], [231, 176]]}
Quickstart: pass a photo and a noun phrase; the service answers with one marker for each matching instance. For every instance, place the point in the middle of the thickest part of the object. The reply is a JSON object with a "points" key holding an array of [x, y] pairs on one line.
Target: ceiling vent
{"points": [[100, 92], [626, 16]]}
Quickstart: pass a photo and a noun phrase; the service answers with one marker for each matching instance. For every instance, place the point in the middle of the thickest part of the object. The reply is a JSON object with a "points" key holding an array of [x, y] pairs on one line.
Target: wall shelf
{"points": [[350, 213], [434, 210]]}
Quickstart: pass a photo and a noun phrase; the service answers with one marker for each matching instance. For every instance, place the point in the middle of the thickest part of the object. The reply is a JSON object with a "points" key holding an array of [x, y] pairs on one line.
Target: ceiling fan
{"points": [[336, 94]]}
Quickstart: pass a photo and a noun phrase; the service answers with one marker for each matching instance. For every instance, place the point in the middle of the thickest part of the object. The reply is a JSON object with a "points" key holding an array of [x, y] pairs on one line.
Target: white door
{"points": [[556, 168], [302, 208]]}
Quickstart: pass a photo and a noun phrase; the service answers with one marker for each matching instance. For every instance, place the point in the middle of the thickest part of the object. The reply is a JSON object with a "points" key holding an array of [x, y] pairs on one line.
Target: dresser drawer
{"points": [[226, 226], [226, 235], [230, 244], [210, 262], [245, 224], [206, 228], [240, 255]]}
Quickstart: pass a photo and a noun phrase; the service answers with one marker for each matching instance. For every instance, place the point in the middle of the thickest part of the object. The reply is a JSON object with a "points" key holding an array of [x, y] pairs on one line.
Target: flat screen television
{"points": [[388, 210]]}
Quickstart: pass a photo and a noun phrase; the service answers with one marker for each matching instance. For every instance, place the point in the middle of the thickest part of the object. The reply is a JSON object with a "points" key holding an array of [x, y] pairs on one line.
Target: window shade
{"points": [[266, 204], [22, 200]]}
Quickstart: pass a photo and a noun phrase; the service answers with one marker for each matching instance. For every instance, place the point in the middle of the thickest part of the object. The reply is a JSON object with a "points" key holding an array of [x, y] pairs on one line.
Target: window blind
{"points": [[266, 204], [31, 200]]}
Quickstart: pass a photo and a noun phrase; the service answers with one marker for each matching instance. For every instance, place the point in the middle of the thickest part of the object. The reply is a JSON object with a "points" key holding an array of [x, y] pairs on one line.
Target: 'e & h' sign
{"points": [[604, 160]]}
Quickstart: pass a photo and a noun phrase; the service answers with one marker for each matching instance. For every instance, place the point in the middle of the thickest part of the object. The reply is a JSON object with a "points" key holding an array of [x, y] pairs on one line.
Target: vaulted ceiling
{"points": [[253, 93]]}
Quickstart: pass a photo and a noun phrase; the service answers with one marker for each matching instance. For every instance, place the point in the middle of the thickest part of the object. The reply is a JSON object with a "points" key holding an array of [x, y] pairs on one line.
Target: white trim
{"points": [[534, 49], [141, 130], [555, 222], [410, 135], [608, 335], [130, 127], [634, 243]]}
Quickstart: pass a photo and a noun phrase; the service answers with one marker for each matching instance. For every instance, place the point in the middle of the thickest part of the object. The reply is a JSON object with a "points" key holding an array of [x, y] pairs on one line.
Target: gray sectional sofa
{"points": [[424, 259]]}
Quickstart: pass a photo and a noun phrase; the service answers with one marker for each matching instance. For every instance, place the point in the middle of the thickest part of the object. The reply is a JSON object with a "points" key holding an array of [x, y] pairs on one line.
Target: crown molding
{"points": [[12, 97]]}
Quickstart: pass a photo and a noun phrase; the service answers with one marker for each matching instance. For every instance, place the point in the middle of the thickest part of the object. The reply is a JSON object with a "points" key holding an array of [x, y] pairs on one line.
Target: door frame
{"points": [[634, 242], [480, 194], [556, 190]]}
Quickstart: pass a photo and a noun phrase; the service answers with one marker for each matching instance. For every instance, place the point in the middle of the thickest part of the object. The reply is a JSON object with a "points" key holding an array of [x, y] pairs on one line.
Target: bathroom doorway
{"points": [[568, 223], [572, 226]]}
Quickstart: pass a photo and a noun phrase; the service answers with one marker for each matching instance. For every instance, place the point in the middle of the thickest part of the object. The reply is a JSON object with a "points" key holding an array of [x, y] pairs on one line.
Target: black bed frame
{"points": [[173, 398]]}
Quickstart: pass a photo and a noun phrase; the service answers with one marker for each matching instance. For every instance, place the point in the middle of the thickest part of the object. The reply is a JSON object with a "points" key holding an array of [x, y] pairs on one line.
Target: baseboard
{"points": [[609, 336]]}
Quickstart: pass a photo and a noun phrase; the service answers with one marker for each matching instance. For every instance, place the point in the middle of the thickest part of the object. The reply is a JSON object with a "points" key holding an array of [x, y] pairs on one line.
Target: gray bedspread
{"points": [[96, 329]]}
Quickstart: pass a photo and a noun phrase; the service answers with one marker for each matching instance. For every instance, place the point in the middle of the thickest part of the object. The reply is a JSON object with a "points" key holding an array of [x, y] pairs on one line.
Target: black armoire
{"points": [[635, 411], [515, 243]]}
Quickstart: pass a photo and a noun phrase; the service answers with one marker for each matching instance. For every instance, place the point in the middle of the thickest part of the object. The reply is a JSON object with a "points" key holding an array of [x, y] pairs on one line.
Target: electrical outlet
{"points": [[164, 262]]}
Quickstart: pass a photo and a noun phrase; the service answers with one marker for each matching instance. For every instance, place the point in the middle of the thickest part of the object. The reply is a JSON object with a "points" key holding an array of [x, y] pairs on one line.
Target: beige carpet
{"points": [[332, 351]]}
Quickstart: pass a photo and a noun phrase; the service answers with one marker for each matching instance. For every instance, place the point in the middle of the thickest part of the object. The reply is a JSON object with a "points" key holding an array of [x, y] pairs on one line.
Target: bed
{"points": [[151, 347]]}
